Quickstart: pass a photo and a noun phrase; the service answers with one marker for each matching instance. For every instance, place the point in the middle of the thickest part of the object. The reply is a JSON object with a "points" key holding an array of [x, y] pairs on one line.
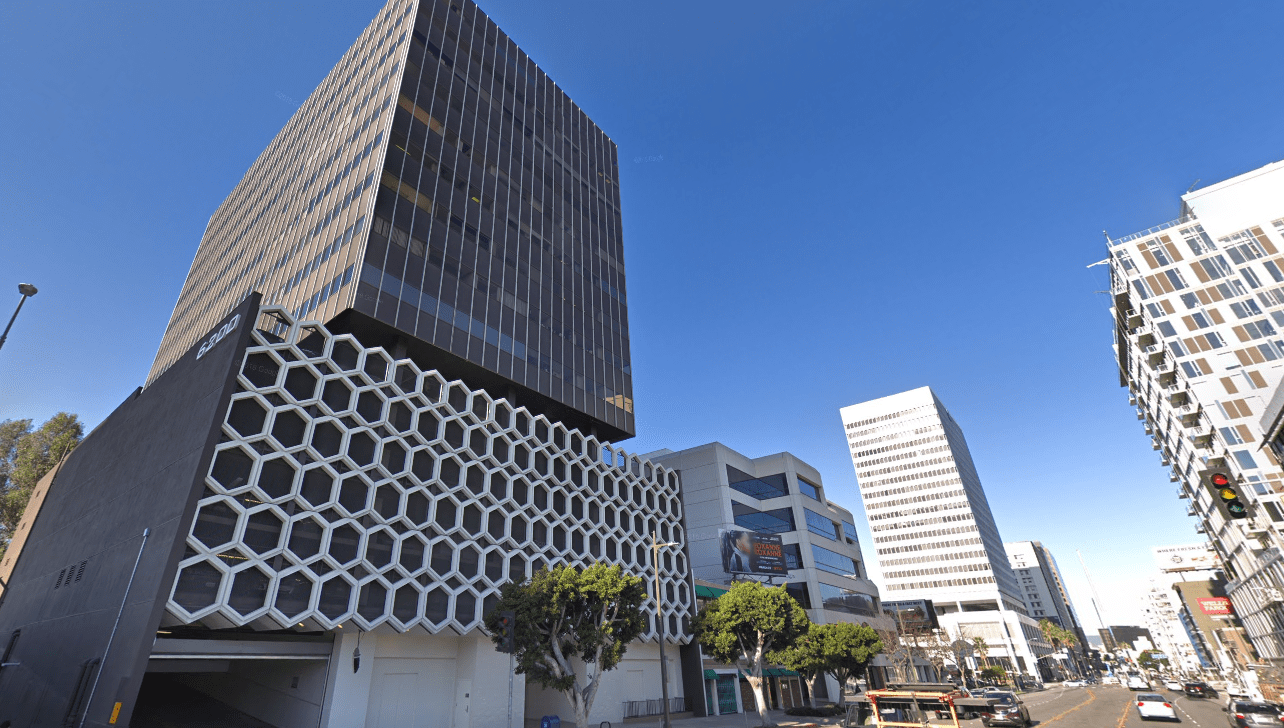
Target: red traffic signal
{"points": [[1225, 493]]}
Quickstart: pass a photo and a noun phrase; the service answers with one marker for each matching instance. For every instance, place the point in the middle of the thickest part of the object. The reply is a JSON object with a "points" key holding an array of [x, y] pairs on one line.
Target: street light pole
{"points": [[659, 624], [27, 290]]}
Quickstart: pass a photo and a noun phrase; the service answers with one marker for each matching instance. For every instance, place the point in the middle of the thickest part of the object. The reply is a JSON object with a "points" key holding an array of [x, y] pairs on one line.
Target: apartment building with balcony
{"points": [[1198, 307]]}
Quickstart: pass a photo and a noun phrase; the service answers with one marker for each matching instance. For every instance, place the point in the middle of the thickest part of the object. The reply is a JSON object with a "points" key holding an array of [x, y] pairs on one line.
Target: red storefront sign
{"points": [[1215, 606]]}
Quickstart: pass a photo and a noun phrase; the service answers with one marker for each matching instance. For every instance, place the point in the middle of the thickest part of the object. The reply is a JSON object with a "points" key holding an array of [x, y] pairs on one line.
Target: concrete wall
{"points": [[285, 693], [140, 469], [637, 677], [428, 681]]}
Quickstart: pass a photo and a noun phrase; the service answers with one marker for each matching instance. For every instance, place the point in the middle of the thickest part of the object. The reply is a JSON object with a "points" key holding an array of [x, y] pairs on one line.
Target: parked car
{"points": [[1109, 680], [1238, 692], [1137, 682], [1173, 685], [1154, 705], [1007, 709], [1073, 684], [1247, 714], [1198, 690]]}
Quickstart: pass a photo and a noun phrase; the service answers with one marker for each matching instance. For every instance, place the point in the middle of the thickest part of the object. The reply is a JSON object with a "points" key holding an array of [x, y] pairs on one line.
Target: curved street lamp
{"points": [[27, 290]]}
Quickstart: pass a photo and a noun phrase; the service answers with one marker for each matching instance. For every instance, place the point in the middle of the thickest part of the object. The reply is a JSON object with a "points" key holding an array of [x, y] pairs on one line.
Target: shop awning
{"points": [[709, 592], [710, 675], [772, 672]]}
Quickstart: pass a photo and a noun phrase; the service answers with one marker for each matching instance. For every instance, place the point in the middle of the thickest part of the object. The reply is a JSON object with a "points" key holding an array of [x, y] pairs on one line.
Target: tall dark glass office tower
{"points": [[440, 196], [389, 388]]}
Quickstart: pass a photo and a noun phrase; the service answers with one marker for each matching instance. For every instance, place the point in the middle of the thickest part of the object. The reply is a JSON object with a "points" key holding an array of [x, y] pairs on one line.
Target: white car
{"points": [[1138, 683], [1073, 684], [1173, 685], [1154, 705], [1237, 691]]}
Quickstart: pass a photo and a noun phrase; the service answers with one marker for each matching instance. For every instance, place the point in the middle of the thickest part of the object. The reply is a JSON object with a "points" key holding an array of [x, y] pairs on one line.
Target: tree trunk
{"points": [[812, 680], [760, 697]]}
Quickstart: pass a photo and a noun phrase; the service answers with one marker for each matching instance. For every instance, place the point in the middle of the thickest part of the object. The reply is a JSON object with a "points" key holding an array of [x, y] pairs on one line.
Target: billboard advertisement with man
{"points": [[747, 552]]}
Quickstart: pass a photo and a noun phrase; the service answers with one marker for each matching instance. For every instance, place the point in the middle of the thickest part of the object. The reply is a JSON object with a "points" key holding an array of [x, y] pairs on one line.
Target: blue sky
{"points": [[823, 203]]}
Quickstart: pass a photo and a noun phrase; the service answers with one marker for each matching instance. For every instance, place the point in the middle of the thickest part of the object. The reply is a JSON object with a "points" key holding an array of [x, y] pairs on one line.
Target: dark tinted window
{"points": [[779, 520], [1254, 708], [768, 486], [808, 489], [1150, 697], [820, 525]]}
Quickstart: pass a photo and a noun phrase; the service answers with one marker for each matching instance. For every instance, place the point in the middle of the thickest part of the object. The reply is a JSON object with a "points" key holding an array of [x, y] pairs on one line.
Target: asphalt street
{"points": [[1113, 707]]}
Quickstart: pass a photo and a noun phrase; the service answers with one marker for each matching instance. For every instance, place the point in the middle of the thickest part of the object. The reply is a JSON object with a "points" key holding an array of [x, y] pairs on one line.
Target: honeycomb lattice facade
{"points": [[352, 488]]}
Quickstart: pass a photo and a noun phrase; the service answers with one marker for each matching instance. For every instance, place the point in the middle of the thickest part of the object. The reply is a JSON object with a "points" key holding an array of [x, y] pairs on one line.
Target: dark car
{"points": [[1245, 714], [1006, 709], [1198, 690]]}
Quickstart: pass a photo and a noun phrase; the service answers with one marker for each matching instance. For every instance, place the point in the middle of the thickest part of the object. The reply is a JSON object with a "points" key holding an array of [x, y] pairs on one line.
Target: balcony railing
{"points": [[1116, 242], [643, 708]]}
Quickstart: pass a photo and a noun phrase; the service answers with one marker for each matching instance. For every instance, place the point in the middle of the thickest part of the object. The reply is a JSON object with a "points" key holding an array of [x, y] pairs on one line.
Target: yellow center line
{"points": [[1123, 717], [1092, 695]]}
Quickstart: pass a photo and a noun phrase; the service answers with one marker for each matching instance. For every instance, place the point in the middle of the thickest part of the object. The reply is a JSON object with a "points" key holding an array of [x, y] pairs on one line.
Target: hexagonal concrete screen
{"points": [[349, 487]]}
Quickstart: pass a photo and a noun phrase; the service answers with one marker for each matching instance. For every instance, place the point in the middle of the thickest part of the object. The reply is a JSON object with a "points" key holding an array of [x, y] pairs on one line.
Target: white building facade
{"points": [[1199, 335], [933, 531], [776, 494], [1160, 615]]}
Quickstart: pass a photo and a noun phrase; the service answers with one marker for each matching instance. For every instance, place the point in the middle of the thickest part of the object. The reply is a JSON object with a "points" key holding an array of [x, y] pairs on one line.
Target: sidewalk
{"points": [[738, 720]]}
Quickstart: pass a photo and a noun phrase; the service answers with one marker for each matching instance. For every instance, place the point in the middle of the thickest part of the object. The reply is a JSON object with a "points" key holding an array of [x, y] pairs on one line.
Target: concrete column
{"points": [[482, 673], [347, 692]]}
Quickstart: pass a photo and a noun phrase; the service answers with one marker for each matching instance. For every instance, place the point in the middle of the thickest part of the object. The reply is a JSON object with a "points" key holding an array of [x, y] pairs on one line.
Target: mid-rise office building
{"points": [[389, 386], [723, 490], [932, 528], [1198, 312], [1043, 588]]}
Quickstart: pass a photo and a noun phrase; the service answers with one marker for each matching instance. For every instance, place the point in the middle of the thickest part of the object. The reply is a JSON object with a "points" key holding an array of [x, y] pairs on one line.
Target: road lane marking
{"points": [[1123, 717], [1183, 712], [1092, 695]]}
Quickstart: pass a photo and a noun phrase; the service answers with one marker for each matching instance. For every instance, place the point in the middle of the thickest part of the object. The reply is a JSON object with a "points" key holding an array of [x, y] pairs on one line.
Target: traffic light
{"points": [[1221, 484], [508, 632]]}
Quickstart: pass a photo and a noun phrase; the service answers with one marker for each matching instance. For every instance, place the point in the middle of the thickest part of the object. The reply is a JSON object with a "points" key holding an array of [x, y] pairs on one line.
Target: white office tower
{"points": [[1198, 306], [932, 528]]}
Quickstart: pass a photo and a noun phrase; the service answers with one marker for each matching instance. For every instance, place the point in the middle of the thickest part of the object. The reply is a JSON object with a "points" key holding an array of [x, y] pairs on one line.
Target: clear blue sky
{"points": [[836, 202]]}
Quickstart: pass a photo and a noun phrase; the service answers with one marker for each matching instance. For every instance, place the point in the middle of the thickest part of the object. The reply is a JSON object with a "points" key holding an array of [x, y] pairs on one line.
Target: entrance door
{"points": [[727, 694]]}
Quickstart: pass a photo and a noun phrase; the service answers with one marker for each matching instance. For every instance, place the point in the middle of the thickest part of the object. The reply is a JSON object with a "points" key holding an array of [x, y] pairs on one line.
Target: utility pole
{"points": [[1096, 600], [659, 624]]}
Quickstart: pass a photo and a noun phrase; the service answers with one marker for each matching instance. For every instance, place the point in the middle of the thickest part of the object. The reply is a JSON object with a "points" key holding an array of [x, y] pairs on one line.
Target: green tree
{"points": [[26, 456], [840, 650], [745, 624], [982, 651], [807, 657], [567, 616]]}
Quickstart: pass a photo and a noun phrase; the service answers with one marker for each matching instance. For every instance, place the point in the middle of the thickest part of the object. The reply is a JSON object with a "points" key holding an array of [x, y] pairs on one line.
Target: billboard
{"points": [[1186, 557], [748, 552], [912, 614], [1215, 606]]}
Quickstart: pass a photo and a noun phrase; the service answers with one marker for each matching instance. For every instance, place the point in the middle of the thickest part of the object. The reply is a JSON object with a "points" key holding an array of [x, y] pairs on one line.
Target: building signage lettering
{"points": [[1215, 606], [217, 336]]}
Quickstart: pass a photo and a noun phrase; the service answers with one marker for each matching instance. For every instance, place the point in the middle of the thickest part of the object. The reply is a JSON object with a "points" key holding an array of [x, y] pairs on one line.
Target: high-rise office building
{"points": [[440, 193], [1044, 589], [931, 523], [389, 387], [1198, 304], [1042, 586]]}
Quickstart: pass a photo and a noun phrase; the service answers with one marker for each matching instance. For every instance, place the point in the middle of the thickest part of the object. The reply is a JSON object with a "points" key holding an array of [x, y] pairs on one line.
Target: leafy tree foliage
{"points": [[26, 456], [840, 650], [743, 625], [567, 616]]}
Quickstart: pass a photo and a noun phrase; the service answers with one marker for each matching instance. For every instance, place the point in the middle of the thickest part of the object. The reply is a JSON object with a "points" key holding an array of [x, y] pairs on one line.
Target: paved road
{"points": [[1113, 707]]}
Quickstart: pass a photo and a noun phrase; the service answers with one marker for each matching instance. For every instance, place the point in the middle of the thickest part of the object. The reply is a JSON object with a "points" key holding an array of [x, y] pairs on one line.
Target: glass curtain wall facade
{"points": [[439, 185]]}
